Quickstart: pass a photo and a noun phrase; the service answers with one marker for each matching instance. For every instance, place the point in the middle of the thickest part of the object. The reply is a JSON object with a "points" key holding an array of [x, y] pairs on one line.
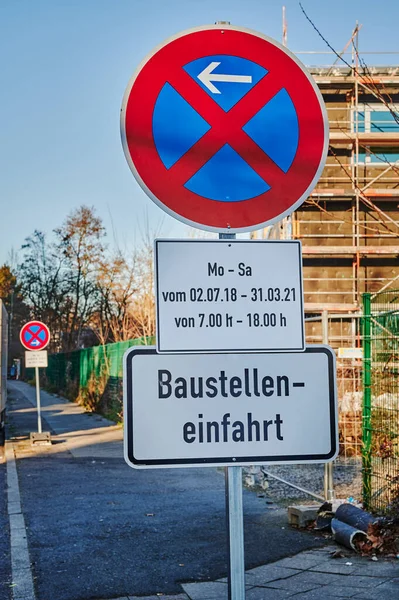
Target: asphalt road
{"points": [[99, 529]]}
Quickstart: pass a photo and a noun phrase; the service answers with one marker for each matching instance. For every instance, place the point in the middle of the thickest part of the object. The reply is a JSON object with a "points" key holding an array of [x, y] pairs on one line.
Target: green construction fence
{"points": [[91, 376], [381, 401]]}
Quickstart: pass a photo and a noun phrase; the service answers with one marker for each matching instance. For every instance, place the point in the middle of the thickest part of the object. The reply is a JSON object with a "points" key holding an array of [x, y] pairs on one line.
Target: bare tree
{"points": [[80, 241], [41, 273], [116, 285], [18, 312], [85, 295], [142, 310]]}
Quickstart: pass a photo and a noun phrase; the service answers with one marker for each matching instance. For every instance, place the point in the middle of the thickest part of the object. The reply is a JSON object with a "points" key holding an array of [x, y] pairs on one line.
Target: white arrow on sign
{"points": [[207, 76]]}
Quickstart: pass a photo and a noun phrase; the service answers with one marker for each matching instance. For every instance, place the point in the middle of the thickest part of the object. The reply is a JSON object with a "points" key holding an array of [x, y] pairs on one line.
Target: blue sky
{"points": [[65, 65]]}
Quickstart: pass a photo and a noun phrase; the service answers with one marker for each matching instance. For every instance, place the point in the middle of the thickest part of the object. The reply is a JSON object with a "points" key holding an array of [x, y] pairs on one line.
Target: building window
{"points": [[374, 118]]}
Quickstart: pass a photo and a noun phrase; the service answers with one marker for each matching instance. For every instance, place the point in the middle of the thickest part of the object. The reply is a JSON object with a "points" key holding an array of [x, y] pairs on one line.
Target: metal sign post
{"points": [[36, 359], [235, 533], [225, 130], [39, 418], [35, 336], [235, 519]]}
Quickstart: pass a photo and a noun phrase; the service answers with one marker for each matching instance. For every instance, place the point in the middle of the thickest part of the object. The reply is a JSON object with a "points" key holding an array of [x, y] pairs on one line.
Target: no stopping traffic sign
{"points": [[224, 129], [34, 335]]}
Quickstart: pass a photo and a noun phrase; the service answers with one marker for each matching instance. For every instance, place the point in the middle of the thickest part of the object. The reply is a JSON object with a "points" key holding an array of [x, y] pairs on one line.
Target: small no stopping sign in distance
{"points": [[34, 335], [224, 129]]}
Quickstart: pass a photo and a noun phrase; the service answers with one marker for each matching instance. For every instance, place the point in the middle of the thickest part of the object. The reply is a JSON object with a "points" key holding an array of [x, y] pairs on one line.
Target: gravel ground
{"points": [[347, 481]]}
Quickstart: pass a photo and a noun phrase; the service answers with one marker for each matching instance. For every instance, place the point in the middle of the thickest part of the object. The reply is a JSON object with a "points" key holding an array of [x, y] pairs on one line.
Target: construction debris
{"points": [[302, 516], [354, 516], [324, 517], [359, 530], [347, 535]]}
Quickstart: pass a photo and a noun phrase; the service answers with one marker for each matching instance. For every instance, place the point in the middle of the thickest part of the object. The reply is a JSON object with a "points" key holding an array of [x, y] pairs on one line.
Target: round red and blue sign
{"points": [[224, 129], [34, 335]]}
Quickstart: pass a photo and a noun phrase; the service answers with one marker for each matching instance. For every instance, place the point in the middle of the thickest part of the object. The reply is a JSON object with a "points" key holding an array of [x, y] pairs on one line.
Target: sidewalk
{"points": [[78, 432], [309, 575]]}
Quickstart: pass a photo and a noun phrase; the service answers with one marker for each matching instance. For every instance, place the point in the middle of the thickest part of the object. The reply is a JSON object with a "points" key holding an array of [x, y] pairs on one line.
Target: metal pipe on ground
{"points": [[356, 517], [347, 535]]}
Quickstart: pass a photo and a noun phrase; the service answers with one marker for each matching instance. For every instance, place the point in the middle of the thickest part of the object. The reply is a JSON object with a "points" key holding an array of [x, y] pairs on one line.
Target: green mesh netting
{"points": [[92, 376]]}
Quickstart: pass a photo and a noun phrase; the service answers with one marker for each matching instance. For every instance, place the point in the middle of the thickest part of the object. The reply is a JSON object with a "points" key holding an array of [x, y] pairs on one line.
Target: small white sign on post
{"points": [[229, 296], [36, 359], [229, 409]]}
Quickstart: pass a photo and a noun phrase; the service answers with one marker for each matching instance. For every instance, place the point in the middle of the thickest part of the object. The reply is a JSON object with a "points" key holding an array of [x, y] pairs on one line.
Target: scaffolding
{"points": [[349, 226]]}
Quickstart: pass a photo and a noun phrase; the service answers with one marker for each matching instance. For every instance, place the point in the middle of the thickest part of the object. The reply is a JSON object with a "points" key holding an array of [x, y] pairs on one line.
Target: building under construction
{"points": [[349, 226]]}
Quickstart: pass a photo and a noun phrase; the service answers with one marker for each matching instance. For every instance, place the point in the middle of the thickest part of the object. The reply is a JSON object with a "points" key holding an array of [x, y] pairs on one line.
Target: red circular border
{"points": [[158, 182], [28, 325]]}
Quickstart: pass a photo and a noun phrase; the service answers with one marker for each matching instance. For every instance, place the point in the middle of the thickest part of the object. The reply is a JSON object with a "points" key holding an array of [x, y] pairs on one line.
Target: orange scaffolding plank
{"points": [[371, 139], [330, 307], [363, 250], [339, 192]]}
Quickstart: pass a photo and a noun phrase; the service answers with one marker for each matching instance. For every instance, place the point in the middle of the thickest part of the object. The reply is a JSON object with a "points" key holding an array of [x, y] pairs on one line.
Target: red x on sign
{"points": [[34, 335], [224, 129]]}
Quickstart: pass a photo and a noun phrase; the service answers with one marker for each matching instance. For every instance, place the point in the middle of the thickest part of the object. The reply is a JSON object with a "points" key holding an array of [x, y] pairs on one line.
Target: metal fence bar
{"points": [[293, 485], [382, 477], [328, 467], [366, 429]]}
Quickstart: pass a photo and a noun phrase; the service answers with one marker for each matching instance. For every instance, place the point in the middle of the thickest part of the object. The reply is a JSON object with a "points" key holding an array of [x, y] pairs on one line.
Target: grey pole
{"points": [[39, 419], [234, 512], [329, 493], [235, 521], [235, 533]]}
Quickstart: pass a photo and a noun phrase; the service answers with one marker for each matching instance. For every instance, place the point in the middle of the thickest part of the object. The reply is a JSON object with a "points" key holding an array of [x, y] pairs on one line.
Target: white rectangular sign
{"points": [[229, 409], [37, 358], [350, 352], [229, 296]]}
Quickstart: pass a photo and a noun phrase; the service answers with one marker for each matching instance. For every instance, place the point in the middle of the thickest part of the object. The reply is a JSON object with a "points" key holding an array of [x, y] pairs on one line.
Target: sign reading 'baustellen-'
{"points": [[229, 409]]}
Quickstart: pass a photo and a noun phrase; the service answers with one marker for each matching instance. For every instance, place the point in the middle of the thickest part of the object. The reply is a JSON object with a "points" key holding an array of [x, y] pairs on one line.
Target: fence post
{"points": [[329, 493], [366, 429]]}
